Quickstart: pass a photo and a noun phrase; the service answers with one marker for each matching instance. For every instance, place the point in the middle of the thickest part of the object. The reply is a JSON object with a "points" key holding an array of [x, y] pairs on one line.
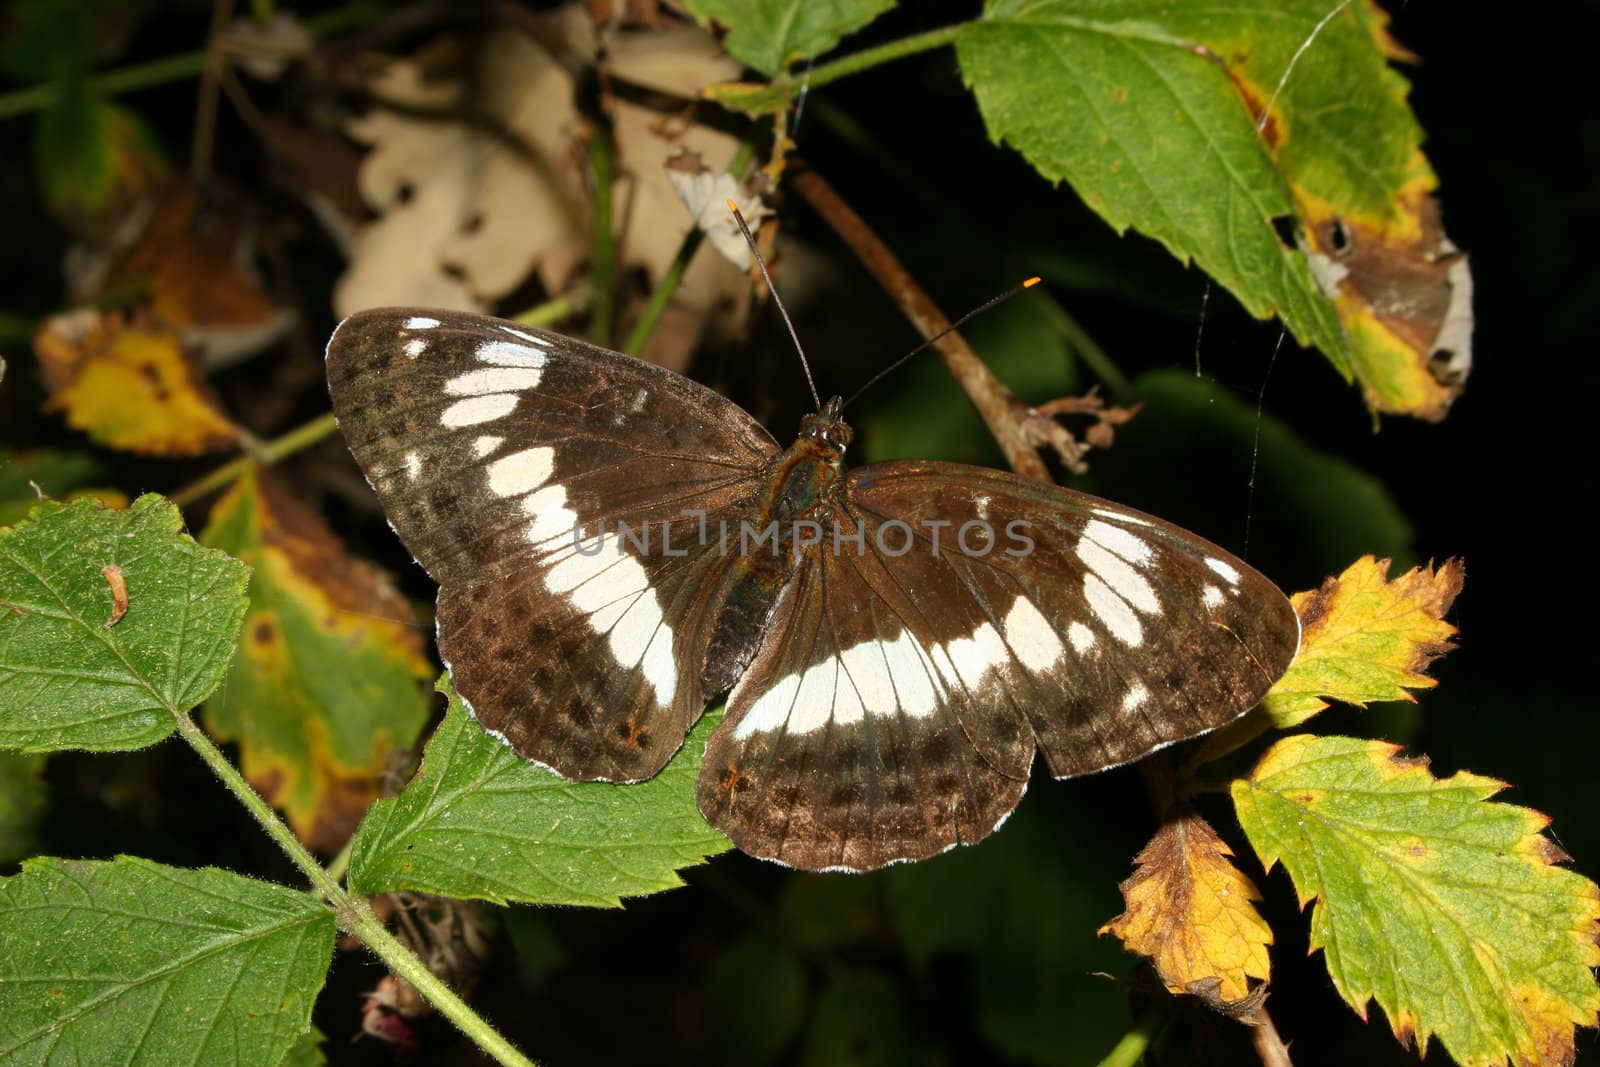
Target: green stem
{"points": [[167, 69], [555, 309], [780, 90], [261, 811], [868, 58], [673, 276], [337, 866], [359, 919], [603, 257], [278, 448], [1131, 1048], [354, 913]]}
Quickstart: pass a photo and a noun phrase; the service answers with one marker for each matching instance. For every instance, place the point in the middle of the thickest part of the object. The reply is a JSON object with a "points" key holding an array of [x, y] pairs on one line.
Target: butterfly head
{"points": [[826, 429]]}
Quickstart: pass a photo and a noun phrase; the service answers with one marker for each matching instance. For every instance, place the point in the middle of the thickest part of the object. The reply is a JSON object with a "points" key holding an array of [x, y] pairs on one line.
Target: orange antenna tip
{"points": [[1031, 282], [732, 206]]}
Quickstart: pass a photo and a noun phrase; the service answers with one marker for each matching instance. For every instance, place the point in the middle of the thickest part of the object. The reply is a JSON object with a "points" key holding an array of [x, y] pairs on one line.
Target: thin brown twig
{"points": [[1264, 1035], [205, 121], [1006, 416]]}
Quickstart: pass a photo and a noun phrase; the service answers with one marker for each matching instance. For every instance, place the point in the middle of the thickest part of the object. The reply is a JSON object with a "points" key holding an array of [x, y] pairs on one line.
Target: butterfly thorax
{"points": [[802, 487]]}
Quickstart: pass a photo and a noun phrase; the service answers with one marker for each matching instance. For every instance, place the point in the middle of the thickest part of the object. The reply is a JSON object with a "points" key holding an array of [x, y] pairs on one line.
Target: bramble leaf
{"points": [[129, 387], [326, 683], [1445, 908], [479, 822], [1266, 142], [134, 962], [1193, 913], [771, 34], [58, 474], [1366, 638], [67, 679]]}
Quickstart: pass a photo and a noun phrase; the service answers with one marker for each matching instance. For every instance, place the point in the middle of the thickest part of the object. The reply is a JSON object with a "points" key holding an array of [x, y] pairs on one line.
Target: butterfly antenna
{"points": [[980, 309], [776, 299]]}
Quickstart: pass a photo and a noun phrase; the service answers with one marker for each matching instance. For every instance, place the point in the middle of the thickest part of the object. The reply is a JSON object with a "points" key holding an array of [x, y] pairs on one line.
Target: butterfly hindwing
{"points": [[499, 452], [1089, 630]]}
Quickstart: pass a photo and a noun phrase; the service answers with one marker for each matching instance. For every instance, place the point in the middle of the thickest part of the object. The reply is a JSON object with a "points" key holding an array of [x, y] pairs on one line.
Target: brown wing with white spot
{"points": [[895, 704], [500, 453]]}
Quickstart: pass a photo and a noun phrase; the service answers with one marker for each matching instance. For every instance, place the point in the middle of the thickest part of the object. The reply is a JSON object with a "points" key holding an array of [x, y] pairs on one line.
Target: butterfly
{"points": [[617, 545]]}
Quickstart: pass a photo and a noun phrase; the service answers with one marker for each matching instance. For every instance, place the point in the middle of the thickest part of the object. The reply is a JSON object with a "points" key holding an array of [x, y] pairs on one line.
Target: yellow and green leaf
{"points": [[1193, 913], [129, 386], [1366, 638], [326, 682], [1444, 907]]}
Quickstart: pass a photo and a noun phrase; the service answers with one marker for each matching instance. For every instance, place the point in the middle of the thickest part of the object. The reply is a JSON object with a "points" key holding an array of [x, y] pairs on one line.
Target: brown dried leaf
{"points": [[1192, 912]]}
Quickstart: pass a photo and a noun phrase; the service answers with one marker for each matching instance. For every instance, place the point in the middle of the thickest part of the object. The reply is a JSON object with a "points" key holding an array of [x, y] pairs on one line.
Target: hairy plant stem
{"points": [[354, 913]]}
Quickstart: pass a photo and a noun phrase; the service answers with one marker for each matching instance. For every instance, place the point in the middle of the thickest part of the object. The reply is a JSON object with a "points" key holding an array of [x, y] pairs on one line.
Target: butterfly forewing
{"points": [[498, 452], [904, 666], [982, 615]]}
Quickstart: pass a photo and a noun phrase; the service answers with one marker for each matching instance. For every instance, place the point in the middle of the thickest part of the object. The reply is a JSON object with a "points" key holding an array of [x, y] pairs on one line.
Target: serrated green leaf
{"points": [[770, 34], [22, 800], [1120, 102], [479, 822], [328, 678], [134, 962], [1443, 907], [1180, 122], [67, 680]]}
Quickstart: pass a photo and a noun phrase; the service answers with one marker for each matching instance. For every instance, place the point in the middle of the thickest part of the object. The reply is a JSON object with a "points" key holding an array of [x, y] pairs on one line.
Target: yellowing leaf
{"points": [[1403, 292], [128, 386], [326, 683], [1444, 908], [1366, 638], [1191, 911]]}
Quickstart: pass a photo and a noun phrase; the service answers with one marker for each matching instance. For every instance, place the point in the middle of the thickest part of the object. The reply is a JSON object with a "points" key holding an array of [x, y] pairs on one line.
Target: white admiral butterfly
{"points": [[615, 545]]}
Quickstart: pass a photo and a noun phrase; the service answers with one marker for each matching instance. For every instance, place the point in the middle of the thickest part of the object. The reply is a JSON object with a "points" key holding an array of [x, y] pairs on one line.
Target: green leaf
{"points": [[22, 799], [1152, 114], [771, 34], [328, 680], [1443, 907], [67, 680], [477, 821], [134, 962]]}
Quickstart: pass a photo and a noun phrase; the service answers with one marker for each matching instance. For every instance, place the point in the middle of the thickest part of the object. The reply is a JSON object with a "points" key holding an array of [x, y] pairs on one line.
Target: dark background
{"points": [[989, 954]]}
